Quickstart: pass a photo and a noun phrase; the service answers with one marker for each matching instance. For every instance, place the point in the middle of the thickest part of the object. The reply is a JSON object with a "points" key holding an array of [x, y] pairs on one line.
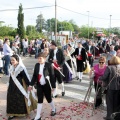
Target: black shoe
{"points": [[53, 113], [54, 96], [77, 78], [63, 93], [106, 118], [11, 117], [80, 80], [37, 119]]}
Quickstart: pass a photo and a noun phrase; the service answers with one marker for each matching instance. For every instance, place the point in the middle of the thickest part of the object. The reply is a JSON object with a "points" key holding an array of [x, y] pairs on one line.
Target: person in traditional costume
{"points": [[90, 52], [101, 46], [81, 57], [19, 101], [46, 52], [57, 59], [70, 51], [44, 77], [67, 71]]}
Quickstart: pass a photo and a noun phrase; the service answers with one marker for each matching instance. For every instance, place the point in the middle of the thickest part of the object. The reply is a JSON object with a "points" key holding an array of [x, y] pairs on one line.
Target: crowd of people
{"points": [[58, 65]]}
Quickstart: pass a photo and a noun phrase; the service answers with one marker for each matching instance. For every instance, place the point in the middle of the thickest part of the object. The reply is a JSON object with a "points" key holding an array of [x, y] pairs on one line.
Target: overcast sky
{"points": [[97, 8]]}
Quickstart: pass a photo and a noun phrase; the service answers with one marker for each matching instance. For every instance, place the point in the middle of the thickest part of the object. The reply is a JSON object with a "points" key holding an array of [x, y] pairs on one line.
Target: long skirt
{"points": [[66, 72], [17, 103]]}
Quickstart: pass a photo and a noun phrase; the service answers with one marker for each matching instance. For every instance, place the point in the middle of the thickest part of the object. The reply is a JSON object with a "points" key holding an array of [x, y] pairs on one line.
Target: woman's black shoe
{"points": [[106, 118], [37, 119], [11, 117], [63, 93], [53, 113]]}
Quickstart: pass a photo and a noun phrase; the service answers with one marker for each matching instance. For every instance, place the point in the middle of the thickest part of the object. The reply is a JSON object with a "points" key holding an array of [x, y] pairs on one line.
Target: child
{"points": [[44, 77]]}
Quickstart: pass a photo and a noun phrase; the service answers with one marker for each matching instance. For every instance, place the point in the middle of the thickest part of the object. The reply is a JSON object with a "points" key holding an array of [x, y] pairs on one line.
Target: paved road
{"points": [[74, 93]]}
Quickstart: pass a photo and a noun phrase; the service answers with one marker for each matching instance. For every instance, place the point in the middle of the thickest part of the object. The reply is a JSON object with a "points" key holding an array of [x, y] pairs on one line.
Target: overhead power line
{"points": [[85, 14], [4, 10], [25, 8]]}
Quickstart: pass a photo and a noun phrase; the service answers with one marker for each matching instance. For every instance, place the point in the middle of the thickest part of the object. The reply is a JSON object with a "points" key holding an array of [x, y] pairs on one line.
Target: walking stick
{"points": [[88, 94]]}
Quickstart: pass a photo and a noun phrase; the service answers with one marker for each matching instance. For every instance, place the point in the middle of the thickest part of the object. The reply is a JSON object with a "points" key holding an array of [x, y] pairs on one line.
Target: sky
{"points": [[77, 10]]}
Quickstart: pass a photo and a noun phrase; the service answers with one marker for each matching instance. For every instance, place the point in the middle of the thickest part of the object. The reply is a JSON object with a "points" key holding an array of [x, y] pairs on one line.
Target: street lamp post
{"points": [[55, 20], [110, 25], [50, 30], [88, 24]]}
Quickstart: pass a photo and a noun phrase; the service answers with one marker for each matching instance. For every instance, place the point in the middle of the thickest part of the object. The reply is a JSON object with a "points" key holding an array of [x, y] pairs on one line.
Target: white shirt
{"points": [[42, 80], [7, 50], [89, 48], [80, 51], [55, 51]]}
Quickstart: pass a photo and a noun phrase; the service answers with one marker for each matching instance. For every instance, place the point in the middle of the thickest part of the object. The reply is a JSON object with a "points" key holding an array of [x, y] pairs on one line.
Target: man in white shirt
{"points": [[56, 57], [7, 53]]}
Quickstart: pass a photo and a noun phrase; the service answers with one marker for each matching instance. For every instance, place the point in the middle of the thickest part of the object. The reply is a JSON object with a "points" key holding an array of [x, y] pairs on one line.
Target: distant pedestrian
{"points": [[7, 53]]}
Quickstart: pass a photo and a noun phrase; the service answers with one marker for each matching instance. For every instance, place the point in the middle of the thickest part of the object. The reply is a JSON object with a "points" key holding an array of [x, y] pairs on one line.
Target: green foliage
{"points": [[7, 31], [40, 23], [75, 27], [21, 29], [9, 37], [66, 26], [84, 31], [30, 29], [35, 35]]}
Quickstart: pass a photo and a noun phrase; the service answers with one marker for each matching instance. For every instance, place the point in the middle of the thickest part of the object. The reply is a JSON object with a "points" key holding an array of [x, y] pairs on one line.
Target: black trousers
{"points": [[112, 101], [98, 97], [44, 90], [79, 66], [58, 76], [90, 58]]}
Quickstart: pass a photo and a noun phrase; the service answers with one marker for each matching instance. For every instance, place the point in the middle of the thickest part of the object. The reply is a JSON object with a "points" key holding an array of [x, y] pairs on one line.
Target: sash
{"points": [[68, 67], [89, 54], [56, 67], [14, 74], [73, 59], [20, 87], [48, 78], [79, 57]]}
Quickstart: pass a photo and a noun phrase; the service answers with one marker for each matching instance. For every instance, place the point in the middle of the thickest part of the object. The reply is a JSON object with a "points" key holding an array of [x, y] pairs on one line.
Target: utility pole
{"points": [[55, 20], [50, 29], [88, 24]]}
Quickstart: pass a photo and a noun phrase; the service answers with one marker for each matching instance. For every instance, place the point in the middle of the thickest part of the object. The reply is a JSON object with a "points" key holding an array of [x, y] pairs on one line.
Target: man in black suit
{"points": [[91, 53], [56, 56], [81, 57], [44, 77], [101, 46]]}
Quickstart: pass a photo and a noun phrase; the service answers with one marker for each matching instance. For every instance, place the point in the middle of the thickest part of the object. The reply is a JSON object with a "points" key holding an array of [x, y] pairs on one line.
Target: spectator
{"points": [[25, 47], [111, 79], [111, 53], [98, 70], [7, 53]]}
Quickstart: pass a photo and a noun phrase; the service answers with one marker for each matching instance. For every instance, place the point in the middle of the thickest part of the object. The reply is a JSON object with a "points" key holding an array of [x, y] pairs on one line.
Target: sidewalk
{"points": [[66, 109]]}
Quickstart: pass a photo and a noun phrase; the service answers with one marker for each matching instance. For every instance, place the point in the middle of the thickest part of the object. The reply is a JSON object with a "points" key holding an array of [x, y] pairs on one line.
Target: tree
{"points": [[84, 31], [65, 26], [75, 27], [40, 23], [30, 29], [7, 31], [21, 29]]}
